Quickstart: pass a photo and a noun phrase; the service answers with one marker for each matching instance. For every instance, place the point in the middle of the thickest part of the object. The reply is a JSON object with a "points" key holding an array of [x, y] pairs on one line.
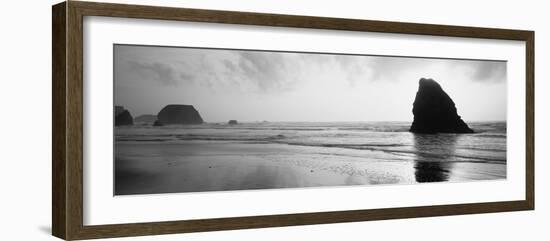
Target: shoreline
{"points": [[149, 168]]}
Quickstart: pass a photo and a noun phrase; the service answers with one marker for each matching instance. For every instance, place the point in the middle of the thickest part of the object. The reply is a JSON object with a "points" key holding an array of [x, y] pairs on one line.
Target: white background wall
{"points": [[25, 122]]}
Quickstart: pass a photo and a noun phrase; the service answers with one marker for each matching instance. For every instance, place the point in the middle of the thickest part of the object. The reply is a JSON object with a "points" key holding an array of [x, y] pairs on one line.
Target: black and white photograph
{"points": [[189, 119], [253, 120]]}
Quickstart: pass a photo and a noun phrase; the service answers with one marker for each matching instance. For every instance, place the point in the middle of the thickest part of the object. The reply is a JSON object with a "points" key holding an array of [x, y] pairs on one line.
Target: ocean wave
{"points": [[379, 147], [395, 149], [489, 145], [375, 129], [482, 149], [492, 135], [192, 137], [297, 129], [344, 145]]}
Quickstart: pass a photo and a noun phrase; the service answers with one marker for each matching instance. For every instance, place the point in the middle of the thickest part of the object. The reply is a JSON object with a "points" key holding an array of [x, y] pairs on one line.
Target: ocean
{"points": [[268, 155]]}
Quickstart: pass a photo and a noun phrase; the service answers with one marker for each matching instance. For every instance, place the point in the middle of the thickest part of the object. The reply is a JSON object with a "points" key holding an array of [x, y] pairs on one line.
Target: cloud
{"points": [[188, 76], [160, 72], [273, 72], [270, 71], [247, 70], [380, 68], [362, 68], [489, 71], [393, 68], [230, 66], [258, 85]]}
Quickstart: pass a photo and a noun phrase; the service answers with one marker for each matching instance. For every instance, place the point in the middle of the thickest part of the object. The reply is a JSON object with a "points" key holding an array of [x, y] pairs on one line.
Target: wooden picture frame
{"points": [[67, 124]]}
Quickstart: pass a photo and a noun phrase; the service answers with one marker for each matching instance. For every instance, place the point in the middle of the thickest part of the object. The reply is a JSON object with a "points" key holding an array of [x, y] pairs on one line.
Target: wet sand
{"points": [[195, 166]]}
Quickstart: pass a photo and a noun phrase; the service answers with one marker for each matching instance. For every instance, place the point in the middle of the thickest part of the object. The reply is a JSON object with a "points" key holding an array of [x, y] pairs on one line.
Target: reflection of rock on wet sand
{"points": [[434, 157], [435, 112]]}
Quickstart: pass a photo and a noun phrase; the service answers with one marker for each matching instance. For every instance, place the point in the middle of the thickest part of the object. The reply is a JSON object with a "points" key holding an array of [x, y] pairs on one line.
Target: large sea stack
{"points": [[123, 117], [178, 115], [434, 111]]}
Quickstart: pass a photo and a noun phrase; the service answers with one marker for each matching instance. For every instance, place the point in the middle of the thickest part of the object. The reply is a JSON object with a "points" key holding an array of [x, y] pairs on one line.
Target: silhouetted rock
{"points": [[232, 122], [119, 110], [157, 123], [434, 111], [179, 115], [146, 118], [123, 117]]}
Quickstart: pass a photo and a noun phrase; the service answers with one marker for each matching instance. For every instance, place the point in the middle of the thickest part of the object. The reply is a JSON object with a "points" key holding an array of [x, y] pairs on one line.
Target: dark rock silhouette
{"points": [[232, 122], [146, 118], [434, 111], [178, 115], [119, 110], [123, 117], [157, 123]]}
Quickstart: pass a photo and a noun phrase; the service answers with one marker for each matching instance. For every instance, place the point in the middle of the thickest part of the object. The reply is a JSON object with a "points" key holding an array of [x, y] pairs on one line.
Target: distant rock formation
{"points": [[434, 111], [123, 117], [178, 115], [146, 118], [232, 122], [119, 110], [157, 123]]}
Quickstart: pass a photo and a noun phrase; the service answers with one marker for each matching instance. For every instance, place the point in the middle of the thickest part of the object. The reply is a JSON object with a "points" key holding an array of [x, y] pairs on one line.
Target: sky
{"points": [[248, 85]]}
